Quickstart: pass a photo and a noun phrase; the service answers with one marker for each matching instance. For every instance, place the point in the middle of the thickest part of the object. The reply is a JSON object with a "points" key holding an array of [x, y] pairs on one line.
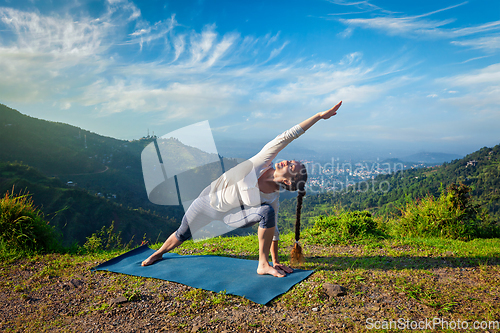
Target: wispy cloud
{"points": [[62, 38], [419, 25], [146, 33], [399, 25], [275, 52], [37, 51], [481, 92], [489, 75], [195, 101], [361, 6], [489, 44]]}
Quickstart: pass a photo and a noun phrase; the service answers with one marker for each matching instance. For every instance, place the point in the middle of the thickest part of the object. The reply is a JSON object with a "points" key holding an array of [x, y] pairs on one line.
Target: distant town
{"points": [[337, 175]]}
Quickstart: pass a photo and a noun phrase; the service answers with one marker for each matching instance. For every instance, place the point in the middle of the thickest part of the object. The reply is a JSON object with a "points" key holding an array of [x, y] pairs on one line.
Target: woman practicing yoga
{"points": [[249, 194]]}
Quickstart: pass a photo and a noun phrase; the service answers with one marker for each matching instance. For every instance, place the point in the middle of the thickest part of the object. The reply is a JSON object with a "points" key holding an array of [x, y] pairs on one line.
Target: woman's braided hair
{"points": [[298, 183]]}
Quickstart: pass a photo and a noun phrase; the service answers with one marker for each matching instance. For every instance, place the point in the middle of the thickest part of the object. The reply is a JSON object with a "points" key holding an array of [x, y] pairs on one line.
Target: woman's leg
{"points": [[171, 243], [197, 211], [265, 216], [265, 240]]}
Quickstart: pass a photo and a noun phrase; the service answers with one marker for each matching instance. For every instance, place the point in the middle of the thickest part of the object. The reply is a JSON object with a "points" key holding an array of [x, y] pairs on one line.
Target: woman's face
{"points": [[287, 169]]}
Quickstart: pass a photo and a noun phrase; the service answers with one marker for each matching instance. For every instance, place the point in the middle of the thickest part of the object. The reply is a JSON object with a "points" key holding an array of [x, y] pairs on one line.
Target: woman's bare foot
{"points": [[263, 270], [152, 259]]}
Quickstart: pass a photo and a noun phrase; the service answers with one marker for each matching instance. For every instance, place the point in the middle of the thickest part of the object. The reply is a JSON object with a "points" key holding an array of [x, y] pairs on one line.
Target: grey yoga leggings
{"points": [[200, 213]]}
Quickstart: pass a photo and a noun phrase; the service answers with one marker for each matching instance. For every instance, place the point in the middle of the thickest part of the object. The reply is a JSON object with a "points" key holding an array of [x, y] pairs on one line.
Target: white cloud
{"points": [[420, 26], [486, 76], [399, 25], [486, 27], [490, 43], [222, 48], [481, 92], [123, 8], [146, 33], [38, 53], [351, 58], [60, 38], [346, 33], [272, 39], [275, 52], [177, 100], [364, 6], [202, 43], [179, 45]]}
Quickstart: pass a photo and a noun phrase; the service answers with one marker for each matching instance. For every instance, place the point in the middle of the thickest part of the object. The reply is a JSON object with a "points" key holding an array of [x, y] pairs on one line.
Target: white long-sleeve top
{"points": [[239, 185]]}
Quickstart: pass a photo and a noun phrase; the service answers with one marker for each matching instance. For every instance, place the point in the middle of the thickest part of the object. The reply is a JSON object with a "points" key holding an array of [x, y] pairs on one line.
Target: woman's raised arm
{"points": [[306, 124]]}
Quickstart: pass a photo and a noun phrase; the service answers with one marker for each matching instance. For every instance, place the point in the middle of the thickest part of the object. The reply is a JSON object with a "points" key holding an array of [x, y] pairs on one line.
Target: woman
{"points": [[249, 194]]}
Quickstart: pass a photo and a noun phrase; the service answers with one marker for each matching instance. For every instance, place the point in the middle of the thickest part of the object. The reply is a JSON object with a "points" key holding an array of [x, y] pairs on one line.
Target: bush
{"points": [[344, 227], [22, 227], [452, 215], [105, 239]]}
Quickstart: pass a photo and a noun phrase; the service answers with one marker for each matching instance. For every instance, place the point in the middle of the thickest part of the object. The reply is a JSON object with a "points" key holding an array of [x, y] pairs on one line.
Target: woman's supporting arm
{"points": [[306, 124]]}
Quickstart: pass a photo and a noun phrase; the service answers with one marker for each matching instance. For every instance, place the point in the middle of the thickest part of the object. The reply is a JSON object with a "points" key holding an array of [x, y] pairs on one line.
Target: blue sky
{"points": [[424, 75]]}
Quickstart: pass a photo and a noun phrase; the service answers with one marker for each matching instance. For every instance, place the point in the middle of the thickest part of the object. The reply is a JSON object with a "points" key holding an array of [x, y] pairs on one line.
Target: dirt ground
{"points": [[56, 293]]}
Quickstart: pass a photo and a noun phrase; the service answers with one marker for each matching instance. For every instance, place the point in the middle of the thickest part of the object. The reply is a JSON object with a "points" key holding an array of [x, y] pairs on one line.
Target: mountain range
{"points": [[83, 181]]}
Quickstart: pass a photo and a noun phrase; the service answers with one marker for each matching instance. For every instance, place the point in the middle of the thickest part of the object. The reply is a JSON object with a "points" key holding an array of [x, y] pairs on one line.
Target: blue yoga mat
{"points": [[235, 276]]}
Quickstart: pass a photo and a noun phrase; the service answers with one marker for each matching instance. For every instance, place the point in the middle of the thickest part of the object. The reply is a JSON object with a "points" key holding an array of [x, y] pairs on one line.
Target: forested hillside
{"points": [[83, 181], [76, 214], [479, 170], [56, 148]]}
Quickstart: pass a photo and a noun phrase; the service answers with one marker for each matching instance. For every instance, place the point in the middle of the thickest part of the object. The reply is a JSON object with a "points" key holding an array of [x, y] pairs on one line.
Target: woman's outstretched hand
{"points": [[306, 124], [332, 112]]}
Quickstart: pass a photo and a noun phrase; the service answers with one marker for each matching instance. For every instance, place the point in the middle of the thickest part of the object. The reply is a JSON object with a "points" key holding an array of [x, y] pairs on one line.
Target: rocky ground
{"points": [[59, 293]]}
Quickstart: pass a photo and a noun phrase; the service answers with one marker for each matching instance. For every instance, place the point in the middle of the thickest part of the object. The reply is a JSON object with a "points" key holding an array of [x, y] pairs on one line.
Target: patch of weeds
{"points": [[132, 294], [447, 307], [244, 302], [216, 320], [427, 296], [359, 278], [19, 288], [105, 239], [102, 307], [196, 296], [56, 267], [220, 298]]}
